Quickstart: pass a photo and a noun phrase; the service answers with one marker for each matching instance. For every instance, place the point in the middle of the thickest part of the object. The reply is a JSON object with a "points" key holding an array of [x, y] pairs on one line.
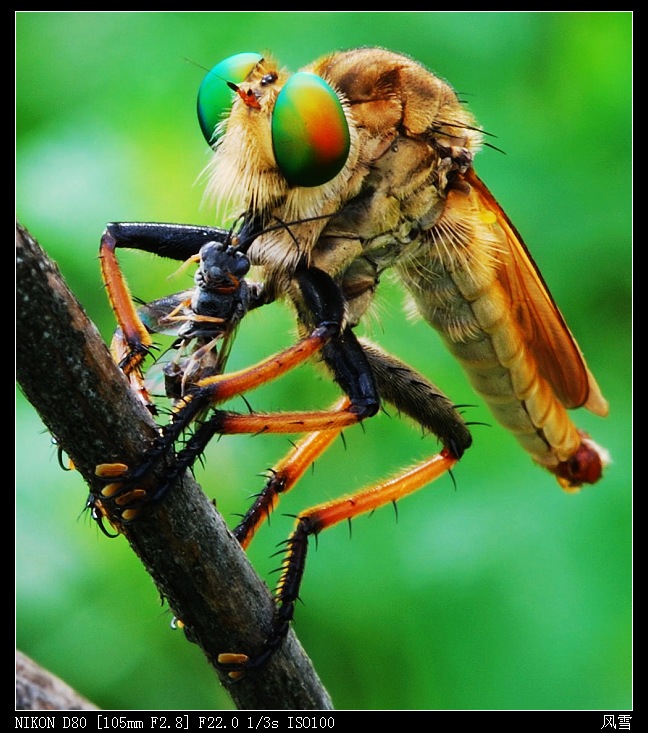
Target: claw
{"points": [[99, 514]]}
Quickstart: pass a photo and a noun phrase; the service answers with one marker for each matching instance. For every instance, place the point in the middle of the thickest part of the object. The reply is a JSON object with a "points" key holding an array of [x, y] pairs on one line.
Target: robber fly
{"points": [[386, 149], [369, 156]]}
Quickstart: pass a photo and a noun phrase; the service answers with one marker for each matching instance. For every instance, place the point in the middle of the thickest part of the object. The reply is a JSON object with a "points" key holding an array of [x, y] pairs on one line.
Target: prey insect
{"points": [[370, 157], [203, 321]]}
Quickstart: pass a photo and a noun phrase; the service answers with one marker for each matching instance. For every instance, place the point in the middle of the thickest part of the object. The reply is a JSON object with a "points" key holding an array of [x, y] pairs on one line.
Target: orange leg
{"points": [[211, 312], [134, 334], [314, 521], [285, 475], [215, 389]]}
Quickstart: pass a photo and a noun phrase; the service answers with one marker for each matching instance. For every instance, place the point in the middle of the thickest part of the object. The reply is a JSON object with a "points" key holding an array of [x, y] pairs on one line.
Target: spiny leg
{"points": [[410, 392], [122, 481], [133, 342], [345, 357], [323, 306], [413, 394], [203, 319], [400, 385], [285, 475], [314, 521], [344, 351]]}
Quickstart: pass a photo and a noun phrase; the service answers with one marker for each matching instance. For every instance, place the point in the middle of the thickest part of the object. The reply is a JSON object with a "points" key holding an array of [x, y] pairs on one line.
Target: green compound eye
{"points": [[310, 134], [215, 97]]}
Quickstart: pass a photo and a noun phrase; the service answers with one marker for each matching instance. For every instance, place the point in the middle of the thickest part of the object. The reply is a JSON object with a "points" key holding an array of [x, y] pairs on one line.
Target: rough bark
{"points": [[184, 544]]}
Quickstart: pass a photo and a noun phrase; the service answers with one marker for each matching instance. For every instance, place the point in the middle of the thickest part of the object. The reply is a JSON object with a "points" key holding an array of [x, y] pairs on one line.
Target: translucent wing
{"points": [[558, 356]]}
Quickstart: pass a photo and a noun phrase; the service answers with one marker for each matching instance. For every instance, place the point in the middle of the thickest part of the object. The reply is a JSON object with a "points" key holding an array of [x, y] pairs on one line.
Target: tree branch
{"points": [[184, 544], [38, 689]]}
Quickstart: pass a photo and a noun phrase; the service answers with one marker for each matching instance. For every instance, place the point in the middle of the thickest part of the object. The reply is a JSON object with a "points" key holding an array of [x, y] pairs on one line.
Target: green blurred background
{"points": [[500, 593]]}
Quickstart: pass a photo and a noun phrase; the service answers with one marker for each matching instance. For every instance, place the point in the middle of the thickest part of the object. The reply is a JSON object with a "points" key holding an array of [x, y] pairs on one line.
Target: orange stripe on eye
{"points": [[310, 134]]}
